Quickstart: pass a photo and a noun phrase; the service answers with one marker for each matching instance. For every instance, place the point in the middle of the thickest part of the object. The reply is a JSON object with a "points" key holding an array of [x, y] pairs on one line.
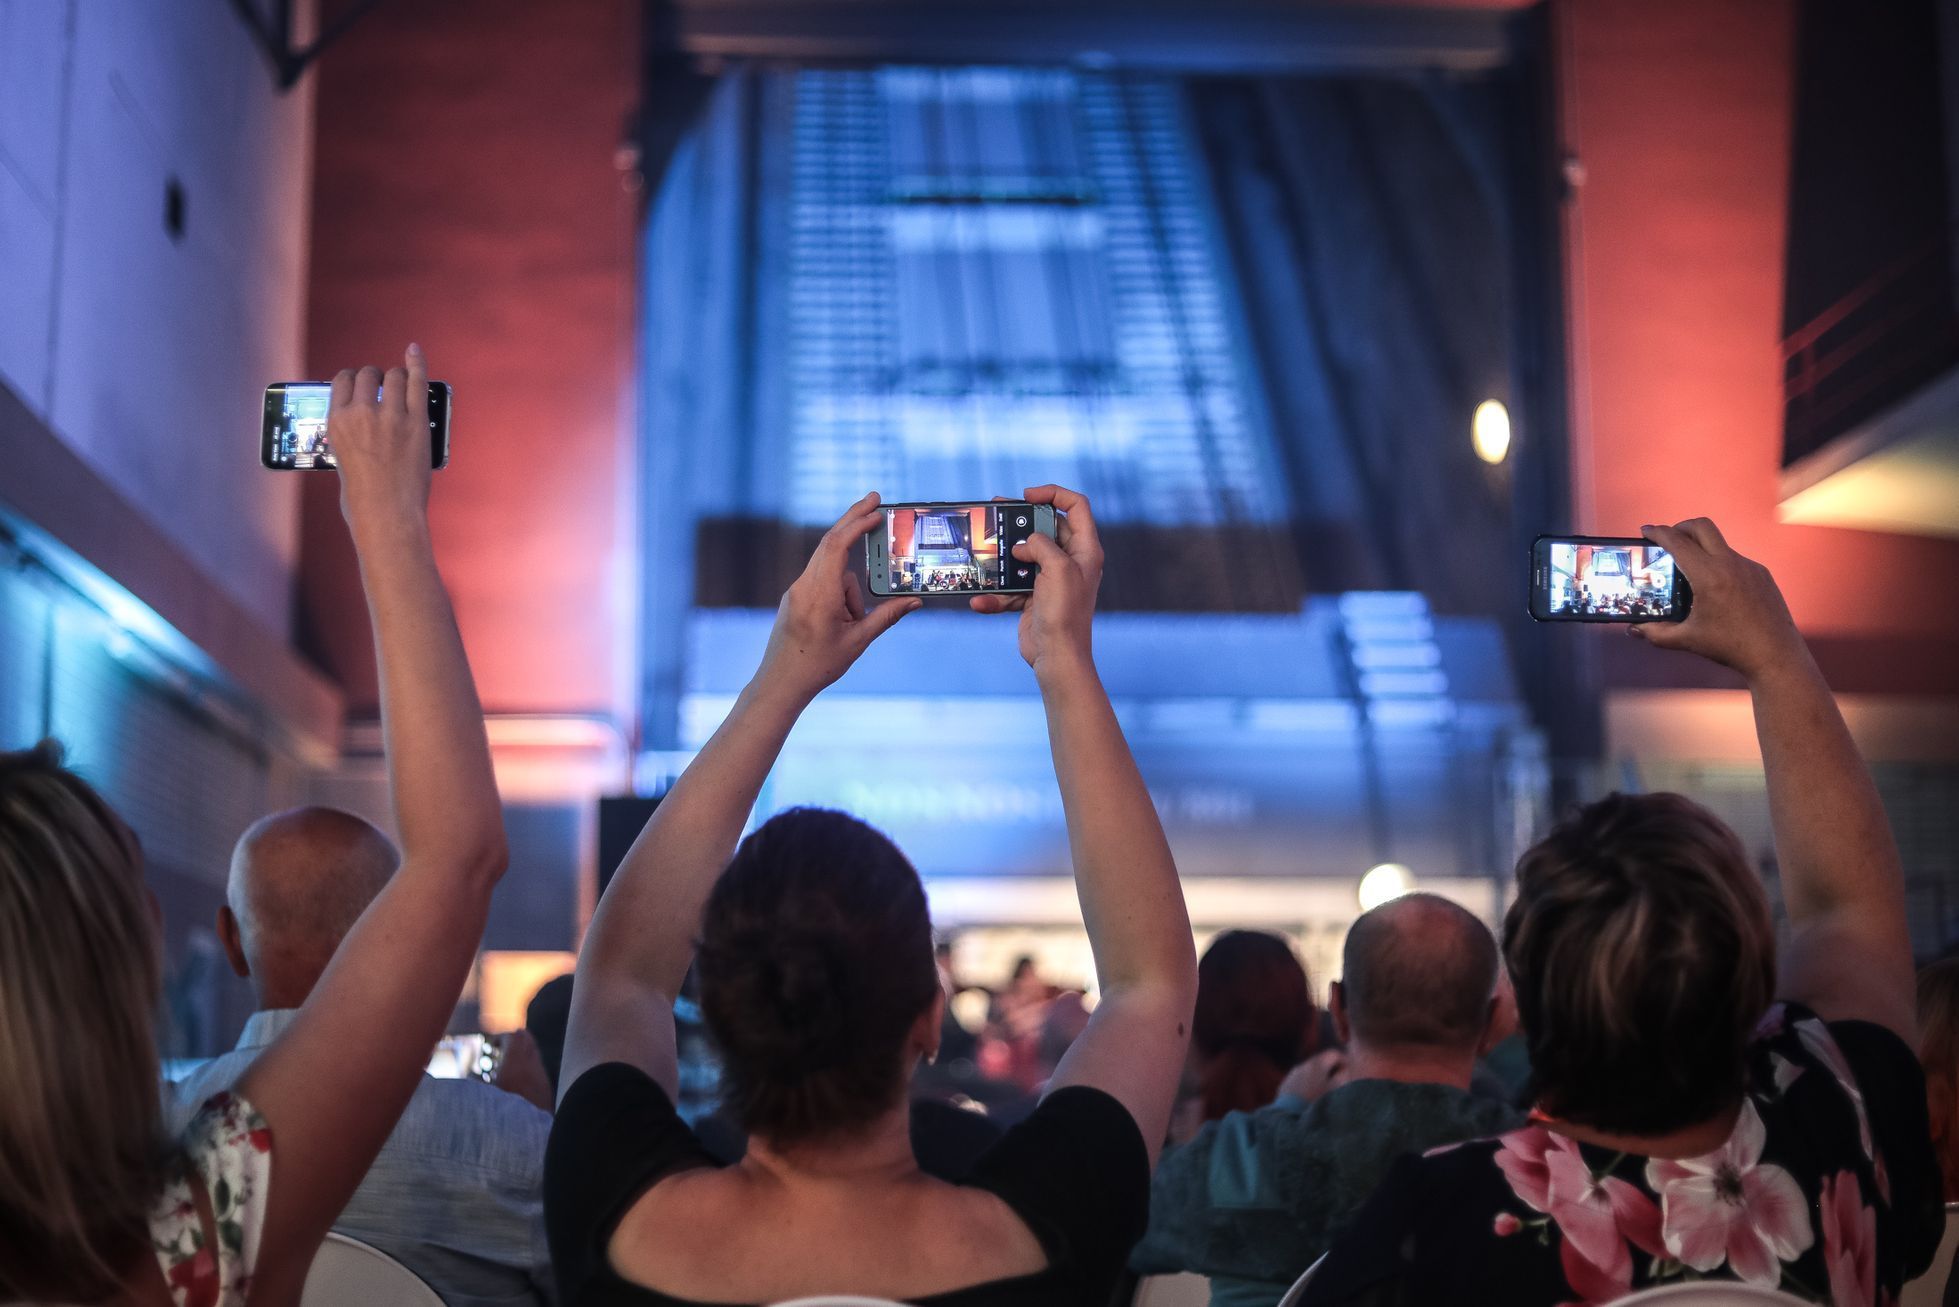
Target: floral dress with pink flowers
{"points": [[227, 1154], [1827, 1189]]}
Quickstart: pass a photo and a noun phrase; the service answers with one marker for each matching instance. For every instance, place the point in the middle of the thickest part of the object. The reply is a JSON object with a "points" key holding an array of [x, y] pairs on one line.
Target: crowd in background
{"points": [[756, 1087]]}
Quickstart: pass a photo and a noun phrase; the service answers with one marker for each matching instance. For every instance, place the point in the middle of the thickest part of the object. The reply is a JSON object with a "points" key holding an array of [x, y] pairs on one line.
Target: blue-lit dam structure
{"points": [[1256, 350]]}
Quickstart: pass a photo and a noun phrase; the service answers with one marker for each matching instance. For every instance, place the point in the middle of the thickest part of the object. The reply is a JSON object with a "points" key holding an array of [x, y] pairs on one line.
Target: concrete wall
{"points": [[146, 352], [468, 197]]}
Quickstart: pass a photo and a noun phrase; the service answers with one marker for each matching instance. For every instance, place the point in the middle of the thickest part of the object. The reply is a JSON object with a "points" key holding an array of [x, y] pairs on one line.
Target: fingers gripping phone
{"points": [[294, 435], [1605, 579], [955, 548]]}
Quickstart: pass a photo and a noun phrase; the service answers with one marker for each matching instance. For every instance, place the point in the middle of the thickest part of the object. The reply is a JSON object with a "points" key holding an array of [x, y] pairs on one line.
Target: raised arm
{"points": [[1131, 900], [641, 941], [333, 1085], [1849, 954]]}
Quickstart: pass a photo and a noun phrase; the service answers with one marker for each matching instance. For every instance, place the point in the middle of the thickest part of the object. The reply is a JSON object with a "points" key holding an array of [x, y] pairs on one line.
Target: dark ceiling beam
{"points": [[1224, 36]]}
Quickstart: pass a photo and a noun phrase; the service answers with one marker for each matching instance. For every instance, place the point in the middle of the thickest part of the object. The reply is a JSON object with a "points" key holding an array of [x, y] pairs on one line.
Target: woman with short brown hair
{"points": [[1689, 1126]]}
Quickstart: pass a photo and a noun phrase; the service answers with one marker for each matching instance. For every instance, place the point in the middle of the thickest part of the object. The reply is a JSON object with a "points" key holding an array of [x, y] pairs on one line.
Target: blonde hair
{"points": [[1938, 1052], [81, 1144], [1643, 956]]}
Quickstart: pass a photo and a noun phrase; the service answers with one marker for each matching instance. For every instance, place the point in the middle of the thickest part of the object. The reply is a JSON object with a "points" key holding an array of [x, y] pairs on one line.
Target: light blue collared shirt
{"points": [[457, 1192]]}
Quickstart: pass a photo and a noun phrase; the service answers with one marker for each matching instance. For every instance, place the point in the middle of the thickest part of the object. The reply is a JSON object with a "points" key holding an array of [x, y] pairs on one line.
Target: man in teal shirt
{"points": [[1256, 1197]]}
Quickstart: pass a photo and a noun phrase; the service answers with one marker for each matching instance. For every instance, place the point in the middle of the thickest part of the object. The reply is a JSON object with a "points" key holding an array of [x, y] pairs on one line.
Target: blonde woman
{"points": [[96, 1206]]}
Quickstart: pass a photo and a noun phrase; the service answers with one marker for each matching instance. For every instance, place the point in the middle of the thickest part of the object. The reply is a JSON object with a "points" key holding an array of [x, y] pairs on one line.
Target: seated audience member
{"points": [[1938, 1053], [545, 1017], [97, 1202], [818, 983], [1700, 1114], [457, 1192], [1256, 1197], [1255, 1021]]}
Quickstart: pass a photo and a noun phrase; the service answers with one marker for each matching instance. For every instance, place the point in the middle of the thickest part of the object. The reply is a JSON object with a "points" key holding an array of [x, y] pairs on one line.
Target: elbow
{"points": [[485, 859]]}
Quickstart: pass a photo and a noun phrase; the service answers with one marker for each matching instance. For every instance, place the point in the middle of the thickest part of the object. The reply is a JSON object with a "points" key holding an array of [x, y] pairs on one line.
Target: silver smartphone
{"points": [[962, 548]]}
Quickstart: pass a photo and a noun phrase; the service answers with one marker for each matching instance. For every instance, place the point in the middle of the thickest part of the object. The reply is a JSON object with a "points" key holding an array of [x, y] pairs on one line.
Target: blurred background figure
{"points": [[544, 1017], [1938, 1050], [1255, 1021]]}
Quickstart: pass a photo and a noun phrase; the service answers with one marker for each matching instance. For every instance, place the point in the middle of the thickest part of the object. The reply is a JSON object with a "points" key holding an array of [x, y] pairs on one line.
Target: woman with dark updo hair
{"points": [[819, 985]]}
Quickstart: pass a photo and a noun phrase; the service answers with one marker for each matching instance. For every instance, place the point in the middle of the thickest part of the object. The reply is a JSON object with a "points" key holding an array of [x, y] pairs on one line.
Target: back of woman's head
{"points": [[1938, 1051], [1254, 1020], [815, 964], [1643, 957], [80, 1142]]}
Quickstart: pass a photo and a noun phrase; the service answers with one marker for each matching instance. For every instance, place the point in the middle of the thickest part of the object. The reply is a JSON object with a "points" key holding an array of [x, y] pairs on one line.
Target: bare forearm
{"points": [[645, 927], [1833, 842], [1124, 873], [445, 795]]}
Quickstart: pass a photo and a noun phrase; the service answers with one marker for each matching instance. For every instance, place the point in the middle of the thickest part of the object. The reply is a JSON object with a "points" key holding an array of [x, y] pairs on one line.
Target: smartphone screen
{"points": [[954, 549], [1605, 579], [294, 436], [466, 1057]]}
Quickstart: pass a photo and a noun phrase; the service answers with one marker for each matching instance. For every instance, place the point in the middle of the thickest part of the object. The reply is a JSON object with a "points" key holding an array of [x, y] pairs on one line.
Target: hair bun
{"points": [[796, 1000]]}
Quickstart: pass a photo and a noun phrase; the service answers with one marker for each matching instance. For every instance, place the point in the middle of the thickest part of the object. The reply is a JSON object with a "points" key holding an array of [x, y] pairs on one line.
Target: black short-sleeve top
{"points": [[1827, 1190], [1076, 1172]]}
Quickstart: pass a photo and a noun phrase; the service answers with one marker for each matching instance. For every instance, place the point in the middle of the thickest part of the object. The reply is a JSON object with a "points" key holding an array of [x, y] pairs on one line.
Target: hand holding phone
{"points": [[822, 626], [1606, 579], [293, 433], [1057, 619], [1741, 619]]}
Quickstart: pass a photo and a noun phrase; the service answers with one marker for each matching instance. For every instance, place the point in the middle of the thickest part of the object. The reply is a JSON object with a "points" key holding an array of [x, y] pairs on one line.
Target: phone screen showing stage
{"points": [[957, 549], [295, 433], [1605, 582], [299, 440]]}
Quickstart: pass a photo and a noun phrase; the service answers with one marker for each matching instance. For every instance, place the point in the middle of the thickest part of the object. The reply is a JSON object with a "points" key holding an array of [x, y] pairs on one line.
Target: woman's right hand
{"points": [[378, 429], [1057, 620], [821, 626], [1738, 618]]}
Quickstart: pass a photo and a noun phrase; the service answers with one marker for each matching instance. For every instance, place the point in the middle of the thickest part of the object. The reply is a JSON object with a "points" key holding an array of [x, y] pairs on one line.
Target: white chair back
{"points": [[348, 1271], [1928, 1290], [1298, 1290], [1180, 1290], [1708, 1293]]}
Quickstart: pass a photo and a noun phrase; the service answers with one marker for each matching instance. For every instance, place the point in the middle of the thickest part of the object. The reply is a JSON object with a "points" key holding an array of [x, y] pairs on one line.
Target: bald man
{"points": [[456, 1194], [1256, 1197]]}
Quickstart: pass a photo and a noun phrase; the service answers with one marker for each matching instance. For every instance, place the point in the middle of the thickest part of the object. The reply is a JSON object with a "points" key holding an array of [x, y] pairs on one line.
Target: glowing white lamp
{"points": [[1390, 880], [1489, 431]]}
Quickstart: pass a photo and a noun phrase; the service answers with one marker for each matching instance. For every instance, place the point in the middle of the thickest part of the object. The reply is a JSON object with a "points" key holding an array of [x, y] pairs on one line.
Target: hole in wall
{"points": [[173, 208]]}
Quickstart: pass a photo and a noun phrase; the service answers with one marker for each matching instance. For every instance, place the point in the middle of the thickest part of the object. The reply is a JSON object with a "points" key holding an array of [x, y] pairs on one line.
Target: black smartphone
{"points": [[954, 549], [294, 437], [1605, 579]]}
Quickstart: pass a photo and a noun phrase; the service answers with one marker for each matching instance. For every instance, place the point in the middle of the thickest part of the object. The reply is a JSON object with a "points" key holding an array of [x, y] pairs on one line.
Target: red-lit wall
{"points": [[1679, 112], [467, 197]]}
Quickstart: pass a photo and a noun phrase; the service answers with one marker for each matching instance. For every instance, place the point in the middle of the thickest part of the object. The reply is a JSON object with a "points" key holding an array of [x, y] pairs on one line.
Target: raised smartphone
{"points": [[954, 549], [294, 436], [466, 1057], [1605, 579]]}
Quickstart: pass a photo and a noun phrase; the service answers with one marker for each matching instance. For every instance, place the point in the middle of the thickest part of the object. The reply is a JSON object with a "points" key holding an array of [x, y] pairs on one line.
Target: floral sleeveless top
{"points": [[227, 1151], [1827, 1189]]}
